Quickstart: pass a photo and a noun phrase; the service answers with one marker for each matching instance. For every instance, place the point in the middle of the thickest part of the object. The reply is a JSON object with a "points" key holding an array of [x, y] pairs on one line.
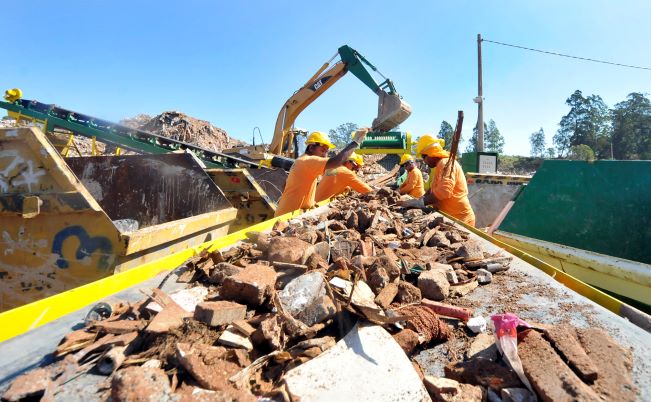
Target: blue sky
{"points": [[235, 63]]}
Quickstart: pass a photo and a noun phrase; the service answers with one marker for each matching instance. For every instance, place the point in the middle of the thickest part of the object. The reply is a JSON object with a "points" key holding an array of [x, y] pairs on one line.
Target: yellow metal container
{"points": [[624, 277], [254, 193], [63, 225]]}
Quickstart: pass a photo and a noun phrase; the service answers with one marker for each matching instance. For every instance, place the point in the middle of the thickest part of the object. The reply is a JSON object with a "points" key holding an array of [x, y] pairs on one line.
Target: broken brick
{"points": [[565, 340], [28, 385], [614, 364], [337, 226], [289, 249], [407, 339], [170, 317], [117, 327], [367, 247], [269, 334], [441, 385], [137, 383], [388, 263], [483, 372], [244, 327], [377, 278], [222, 271], [280, 226], [553, 380], [205, 366], [407, 293], [447, 390], [438, 239], [386, 295], [219, 312], [251, 286], [464, 289], [352, 222], [454, 236]]}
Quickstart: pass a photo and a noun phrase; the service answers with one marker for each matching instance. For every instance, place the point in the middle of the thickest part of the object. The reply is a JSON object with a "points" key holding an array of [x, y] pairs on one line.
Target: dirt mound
{"points": [[181, 127]]}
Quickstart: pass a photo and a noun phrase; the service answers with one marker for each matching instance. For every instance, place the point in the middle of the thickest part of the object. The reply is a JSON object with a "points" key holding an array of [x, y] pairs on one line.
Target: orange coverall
{"points": [[301, 184], [414, 184], [452, 192], [336, 181]]}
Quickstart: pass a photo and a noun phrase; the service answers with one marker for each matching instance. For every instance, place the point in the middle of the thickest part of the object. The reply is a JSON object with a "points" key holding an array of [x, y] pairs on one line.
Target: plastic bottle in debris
{"points": [[507, 342]]}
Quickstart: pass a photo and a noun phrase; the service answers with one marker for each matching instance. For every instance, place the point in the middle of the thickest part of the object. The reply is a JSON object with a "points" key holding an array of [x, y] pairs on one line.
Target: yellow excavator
{"points": [[392, 110]]}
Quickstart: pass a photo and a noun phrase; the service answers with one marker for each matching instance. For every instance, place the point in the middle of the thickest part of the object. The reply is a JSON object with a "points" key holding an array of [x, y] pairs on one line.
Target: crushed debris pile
{"points": [[253, 320], [376, 164], [136, 121], [7, 122], [181, 127]]}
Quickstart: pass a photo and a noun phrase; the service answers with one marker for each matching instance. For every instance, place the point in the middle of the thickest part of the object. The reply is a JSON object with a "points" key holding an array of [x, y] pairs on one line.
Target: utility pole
{"points": [[480, 100]]}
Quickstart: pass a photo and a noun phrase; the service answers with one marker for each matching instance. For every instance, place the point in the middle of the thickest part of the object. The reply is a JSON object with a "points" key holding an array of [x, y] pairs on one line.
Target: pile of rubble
{"points": [[7, 122], [377, 164], [261, 319], [181, 127]]}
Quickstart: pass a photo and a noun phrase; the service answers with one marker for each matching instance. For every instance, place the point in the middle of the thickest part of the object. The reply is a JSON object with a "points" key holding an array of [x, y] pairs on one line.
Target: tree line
{"points": [[590, 130], [593, 131]]}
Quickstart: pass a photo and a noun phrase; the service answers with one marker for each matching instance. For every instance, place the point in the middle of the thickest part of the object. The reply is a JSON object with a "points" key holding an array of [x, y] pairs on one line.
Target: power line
{"points": [[567, 55]]}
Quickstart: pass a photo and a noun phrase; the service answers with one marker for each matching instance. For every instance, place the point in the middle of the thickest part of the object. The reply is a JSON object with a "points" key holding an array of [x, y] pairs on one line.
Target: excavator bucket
{"points": [[391, 112]]}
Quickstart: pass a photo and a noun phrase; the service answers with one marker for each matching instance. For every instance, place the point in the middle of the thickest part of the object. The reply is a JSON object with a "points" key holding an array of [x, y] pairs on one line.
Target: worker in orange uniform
{"points": [[338, 180], [300, 188], [432, 172], [413, 185], [449, 192]]}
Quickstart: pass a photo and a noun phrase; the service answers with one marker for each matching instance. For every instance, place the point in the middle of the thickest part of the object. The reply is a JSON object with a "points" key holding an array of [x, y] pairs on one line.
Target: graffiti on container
{"points": [[18, 171], [87, 246]]}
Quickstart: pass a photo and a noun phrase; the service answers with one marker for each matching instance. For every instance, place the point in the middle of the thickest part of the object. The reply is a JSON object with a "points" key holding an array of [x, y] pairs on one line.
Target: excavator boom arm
{"points": [[317, 85], [391, 109]]}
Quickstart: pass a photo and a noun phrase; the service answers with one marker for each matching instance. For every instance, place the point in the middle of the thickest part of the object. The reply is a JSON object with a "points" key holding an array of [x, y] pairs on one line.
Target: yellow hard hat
{"points": [[357, 159], [435, 151], [406, 158], [318, 137], [12, 95], [424, 142], [428, 141]]}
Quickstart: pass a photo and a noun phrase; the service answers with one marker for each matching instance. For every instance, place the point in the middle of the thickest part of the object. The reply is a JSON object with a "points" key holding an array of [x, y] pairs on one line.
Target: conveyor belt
{"points": [[117, 134]]}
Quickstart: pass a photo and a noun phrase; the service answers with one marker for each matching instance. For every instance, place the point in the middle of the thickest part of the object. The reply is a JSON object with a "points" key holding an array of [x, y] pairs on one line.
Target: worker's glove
{"points": [[360, 134], [413, 203]]}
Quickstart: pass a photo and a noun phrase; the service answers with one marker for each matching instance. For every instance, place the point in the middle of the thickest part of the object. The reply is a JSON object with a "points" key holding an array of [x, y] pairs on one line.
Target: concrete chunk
{"points": [[367, 365], [434, 285], [470, 251], [219, 312]]}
